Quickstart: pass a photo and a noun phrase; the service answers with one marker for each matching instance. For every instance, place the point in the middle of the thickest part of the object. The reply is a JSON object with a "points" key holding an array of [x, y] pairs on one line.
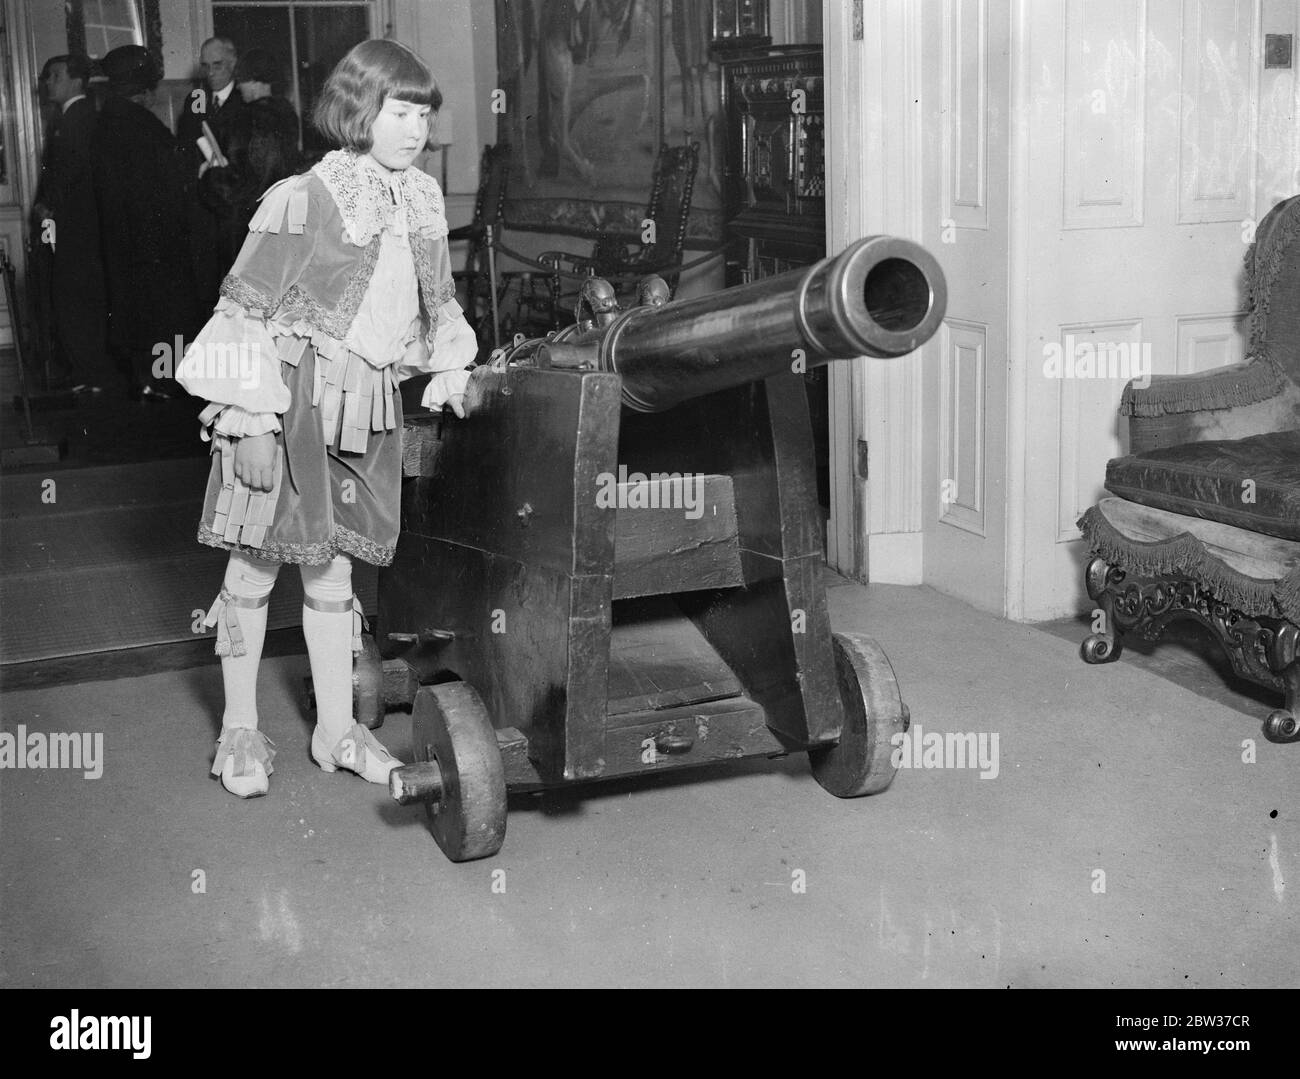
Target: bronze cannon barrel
{"points": [[883, 296]]}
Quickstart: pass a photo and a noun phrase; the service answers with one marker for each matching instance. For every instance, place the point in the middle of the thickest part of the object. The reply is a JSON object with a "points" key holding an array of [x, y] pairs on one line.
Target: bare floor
{"points": [[1123, 842]]}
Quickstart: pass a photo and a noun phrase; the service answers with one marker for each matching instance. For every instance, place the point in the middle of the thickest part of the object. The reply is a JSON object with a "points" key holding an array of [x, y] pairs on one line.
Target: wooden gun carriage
{"points": [[562, 609]]}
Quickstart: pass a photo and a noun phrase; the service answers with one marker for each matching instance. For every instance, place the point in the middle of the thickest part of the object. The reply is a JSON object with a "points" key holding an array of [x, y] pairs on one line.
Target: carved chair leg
{"points": [[1284, 724], [1105, 645], [1263, 649]]}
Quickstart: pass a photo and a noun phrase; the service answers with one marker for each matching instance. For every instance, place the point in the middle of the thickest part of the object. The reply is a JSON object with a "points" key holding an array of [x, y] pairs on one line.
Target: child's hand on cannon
{"points": [[466, 404], [255, 461], [471, 400]]}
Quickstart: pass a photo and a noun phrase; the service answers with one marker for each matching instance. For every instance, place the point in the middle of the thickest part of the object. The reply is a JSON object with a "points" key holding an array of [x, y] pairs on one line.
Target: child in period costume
{"points": [[342, 289]]}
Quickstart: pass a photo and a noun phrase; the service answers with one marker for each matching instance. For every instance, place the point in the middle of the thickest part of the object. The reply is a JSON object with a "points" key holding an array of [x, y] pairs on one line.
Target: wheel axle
{"points": [[419, 782]]}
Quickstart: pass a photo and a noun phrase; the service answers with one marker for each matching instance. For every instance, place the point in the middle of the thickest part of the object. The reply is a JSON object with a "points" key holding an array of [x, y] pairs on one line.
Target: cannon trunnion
{"points": [[613, 566]]}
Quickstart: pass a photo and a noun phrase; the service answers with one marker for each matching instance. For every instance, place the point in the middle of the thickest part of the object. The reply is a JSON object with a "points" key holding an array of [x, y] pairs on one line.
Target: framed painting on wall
{"points": [[588, 89]]}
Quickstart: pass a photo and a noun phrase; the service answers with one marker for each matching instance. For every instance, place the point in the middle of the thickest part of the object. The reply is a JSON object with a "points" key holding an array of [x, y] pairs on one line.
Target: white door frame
{"points": [[26, 159], [873, 100], [23, 142]]}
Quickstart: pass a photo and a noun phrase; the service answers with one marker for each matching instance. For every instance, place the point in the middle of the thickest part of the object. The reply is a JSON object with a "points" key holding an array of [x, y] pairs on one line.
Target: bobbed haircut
{"points": [[354, 93]]}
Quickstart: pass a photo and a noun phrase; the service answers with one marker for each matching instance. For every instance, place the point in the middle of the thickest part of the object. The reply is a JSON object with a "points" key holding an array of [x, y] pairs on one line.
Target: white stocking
{"points": [[327, 626], [245, 592]]}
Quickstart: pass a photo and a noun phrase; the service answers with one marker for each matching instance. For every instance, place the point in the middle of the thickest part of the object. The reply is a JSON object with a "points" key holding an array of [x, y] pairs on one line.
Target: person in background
{"points": [[144, 223], [67, 225], [260, 148], [218, 103]]}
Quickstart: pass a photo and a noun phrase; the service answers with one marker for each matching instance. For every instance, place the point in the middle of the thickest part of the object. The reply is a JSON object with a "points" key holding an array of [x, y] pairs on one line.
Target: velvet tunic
{"points": [[318, 323]]}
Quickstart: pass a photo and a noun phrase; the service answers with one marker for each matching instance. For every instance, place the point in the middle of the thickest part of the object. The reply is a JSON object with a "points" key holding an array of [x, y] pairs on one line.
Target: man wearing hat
{"points": [[141, 191]]}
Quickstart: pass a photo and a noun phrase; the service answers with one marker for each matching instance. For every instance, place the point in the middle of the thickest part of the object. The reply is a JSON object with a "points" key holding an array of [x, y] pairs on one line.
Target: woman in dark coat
{"points": [[261, 149]]}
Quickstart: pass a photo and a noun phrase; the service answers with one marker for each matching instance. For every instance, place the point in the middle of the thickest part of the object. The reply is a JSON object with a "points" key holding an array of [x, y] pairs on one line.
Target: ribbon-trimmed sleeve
{"points": [[451, 346], [234, 361], [454, 349]]}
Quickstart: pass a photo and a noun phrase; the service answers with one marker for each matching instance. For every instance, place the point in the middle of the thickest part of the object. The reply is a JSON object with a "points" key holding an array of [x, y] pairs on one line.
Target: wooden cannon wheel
{"points": [[873, 713], [450, 725], [368, 684]]}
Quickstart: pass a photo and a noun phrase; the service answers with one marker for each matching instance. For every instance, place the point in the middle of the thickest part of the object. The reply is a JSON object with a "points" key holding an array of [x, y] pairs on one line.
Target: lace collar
{"points": [[365, 198]]}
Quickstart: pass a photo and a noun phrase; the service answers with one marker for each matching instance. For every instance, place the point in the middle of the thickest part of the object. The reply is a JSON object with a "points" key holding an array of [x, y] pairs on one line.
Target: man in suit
{"points": [[218, 103], [67, 224], [144, 222], [260, 146]]}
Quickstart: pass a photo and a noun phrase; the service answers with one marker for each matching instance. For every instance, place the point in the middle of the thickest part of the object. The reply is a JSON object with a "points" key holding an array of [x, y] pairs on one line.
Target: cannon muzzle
{"points": [[883, 296]]}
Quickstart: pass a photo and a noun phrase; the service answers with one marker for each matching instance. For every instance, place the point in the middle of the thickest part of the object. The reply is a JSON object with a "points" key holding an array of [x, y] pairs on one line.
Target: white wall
{"points": [[182, 33]]}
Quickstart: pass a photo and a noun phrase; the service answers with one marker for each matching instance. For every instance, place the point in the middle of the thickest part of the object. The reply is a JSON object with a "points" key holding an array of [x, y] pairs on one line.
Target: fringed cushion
{"points": [[1251, 483], [1221, 387], [1256, 574], [1273, 285]]}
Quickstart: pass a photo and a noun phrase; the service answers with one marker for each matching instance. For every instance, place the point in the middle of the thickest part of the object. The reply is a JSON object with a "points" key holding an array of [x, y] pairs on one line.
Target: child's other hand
{"points": [[255, 461], [458, 406]]}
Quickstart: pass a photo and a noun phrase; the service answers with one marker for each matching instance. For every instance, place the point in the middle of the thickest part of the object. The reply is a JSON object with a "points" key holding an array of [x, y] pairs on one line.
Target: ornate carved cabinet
{"points": [[775, 182]]}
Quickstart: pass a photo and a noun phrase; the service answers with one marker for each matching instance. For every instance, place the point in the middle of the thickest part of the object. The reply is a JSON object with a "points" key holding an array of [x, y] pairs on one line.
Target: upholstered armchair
{"points": [[1205, 519]]}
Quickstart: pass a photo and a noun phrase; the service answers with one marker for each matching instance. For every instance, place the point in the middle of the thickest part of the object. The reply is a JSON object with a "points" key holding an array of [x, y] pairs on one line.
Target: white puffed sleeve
{"points": [[234, 362], [454, 349]]}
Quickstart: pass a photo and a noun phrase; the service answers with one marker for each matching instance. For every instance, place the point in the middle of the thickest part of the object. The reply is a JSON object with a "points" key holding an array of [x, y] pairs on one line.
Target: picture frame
{"points": [[587, 94]]}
